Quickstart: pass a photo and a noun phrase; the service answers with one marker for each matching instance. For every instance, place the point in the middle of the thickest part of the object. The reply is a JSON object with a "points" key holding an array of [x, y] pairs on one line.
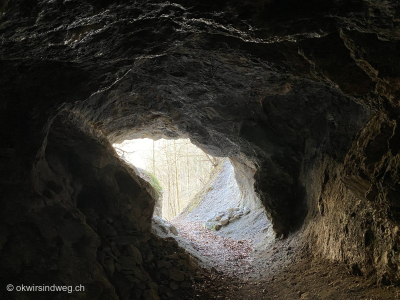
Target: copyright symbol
{"points": [[10, 287]]}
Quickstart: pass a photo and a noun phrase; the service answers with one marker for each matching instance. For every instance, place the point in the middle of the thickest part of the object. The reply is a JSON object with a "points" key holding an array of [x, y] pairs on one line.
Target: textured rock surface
{"points": [[223, 205], [305, 91]]}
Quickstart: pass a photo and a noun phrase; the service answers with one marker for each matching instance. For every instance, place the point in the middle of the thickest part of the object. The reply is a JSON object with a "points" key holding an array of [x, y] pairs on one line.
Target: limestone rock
{"points": [[138, 273], [173, 229], [105, 229], [234, 218], [135, 253], [173, 285], [151, 295], [164, 289], [224, 221], [161, 226], [176, 274], [246, 210], [109, 266], [128, 262]]}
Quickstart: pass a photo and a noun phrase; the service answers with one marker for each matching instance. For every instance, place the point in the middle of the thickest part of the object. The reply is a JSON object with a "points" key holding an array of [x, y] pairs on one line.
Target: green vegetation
{"points": [[150, 178]]}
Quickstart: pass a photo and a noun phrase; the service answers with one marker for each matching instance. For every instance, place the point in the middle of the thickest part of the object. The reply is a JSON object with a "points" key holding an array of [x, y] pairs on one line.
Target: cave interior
{"points": [[302, 96]]}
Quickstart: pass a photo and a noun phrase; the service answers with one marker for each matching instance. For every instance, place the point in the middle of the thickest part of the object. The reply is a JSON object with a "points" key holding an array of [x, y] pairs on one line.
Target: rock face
{"points": [[162, 227], [305, 92], [224, 205], [222, 196]]}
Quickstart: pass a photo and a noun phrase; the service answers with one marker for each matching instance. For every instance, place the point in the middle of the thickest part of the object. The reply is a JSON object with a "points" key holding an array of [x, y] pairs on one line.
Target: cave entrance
{"points": [[207, 204], [177, 169]]}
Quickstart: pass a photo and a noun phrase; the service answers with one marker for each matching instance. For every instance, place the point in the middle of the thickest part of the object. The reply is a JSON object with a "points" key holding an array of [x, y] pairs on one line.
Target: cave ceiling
{"points": [[277, 83]]}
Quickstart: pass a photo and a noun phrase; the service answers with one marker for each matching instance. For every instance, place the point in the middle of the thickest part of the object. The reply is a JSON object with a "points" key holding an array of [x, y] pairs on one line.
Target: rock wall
{"points": [[306, 91], [88, 223], [360, 197], [229, 205]]}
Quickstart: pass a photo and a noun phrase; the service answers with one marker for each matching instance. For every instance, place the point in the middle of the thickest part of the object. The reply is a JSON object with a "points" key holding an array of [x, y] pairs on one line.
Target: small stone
{"points": [[174, 286], [135, 253], [164, 271], [127, 262], [109, 266], [306, 296], [193, 265], [152, 285], [161, 263], [164, 289], [234, 218], [173, 256], [149, 256], [176, 274], [224, 221], [151, 295], [138, 273], [143, 238], [155, 242], [173, 229], [105, 229], [185, 284], [246, 210], [115, 251], [217, 226]]}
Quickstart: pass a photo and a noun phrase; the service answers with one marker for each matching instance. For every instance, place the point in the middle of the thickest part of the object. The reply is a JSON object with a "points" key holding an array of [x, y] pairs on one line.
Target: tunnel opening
{"points": [[200, 203], [177, 170]]}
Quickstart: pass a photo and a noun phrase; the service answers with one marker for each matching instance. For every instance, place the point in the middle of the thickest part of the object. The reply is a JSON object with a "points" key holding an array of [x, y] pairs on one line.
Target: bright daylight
{"points": [[176, 168]]}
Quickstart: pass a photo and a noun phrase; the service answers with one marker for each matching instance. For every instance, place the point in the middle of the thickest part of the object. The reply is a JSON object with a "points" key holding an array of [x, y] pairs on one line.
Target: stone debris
{"points": [[227, 255], [165, 226], [145, 266], [223, 218]]}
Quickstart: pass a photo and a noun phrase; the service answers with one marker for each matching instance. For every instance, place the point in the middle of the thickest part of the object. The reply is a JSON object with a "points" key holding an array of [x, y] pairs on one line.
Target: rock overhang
{"points": [[229, 91]]}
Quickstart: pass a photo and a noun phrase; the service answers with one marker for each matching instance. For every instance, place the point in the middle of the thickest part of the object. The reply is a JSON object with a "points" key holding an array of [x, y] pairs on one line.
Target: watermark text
{"points": [[45, 288]]}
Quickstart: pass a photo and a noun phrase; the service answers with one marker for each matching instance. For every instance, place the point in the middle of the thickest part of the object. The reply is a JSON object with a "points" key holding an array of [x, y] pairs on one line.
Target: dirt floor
{"points": [[283, 270]]}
